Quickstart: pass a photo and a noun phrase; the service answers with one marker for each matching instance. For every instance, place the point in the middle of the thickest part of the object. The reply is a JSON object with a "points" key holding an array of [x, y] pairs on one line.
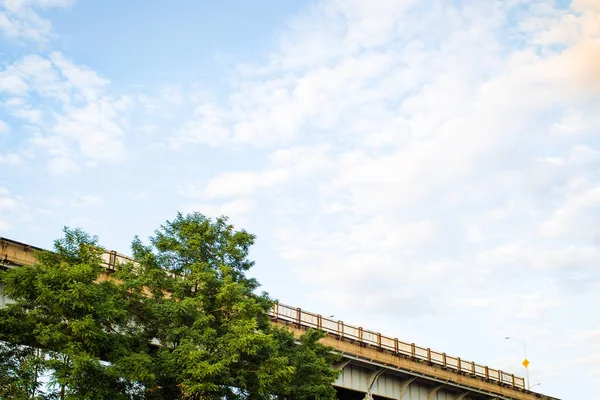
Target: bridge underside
{"points": [[362, 380], [369, 373]]}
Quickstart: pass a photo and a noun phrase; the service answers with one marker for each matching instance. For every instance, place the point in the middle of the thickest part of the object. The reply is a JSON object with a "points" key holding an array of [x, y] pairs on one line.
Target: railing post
{"points": [[319, 321], [340, 329], [458, 364], [513, 380], [487, 372], [276, 310], [444, 359], [396, 347], [112, 260], [429, 355], [298, 315], [379, 339], [413, 350], [360, 334], [473, 367]]}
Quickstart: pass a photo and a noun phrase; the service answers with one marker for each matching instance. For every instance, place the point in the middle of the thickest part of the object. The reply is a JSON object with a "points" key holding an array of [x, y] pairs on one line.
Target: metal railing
{"points": [[343, 331], [111, 259], [13, 253]]}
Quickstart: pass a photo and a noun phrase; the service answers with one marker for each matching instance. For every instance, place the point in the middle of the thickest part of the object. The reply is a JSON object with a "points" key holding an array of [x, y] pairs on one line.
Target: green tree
{"points": [[184, 321], [216, 338], [69, 323]]}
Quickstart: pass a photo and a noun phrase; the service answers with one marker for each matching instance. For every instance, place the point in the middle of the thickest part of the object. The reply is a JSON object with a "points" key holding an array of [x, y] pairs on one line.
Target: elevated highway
{"points": [[373, 366]]}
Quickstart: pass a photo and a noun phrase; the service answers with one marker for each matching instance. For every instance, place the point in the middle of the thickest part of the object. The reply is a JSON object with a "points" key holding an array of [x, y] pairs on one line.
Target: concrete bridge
{"points": [[373, 366]]}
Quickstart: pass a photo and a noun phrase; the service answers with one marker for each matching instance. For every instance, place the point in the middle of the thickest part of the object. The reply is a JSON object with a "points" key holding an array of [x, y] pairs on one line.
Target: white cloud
{"points": [[94, 129], [20, 22], [17, 4], [10, 159], [41, 76], [81, 123], [55, 77], [298, 161], [577, 122], [284, 164], [242, 183], [334, 83], [82, 135], [453, 123], [207, 127], [25, 24], [577, 216], [578, 65], [238, 210], [10, 83], [81, 78], [8, 203], [461, 159], [32, 116]]}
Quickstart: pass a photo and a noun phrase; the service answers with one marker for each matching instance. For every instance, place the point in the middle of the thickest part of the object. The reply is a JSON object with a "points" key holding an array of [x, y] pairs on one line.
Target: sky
{"points": [[428, 169]]}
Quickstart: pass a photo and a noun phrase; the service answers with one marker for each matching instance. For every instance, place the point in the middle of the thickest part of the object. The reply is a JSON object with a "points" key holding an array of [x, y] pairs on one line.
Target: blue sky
{"points": [[429, 169]]}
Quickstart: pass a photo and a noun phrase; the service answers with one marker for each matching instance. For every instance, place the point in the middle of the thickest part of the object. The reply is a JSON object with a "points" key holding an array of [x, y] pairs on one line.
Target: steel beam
{"points": [[404, 385], [372, 380], [434, 391], [341, 365]]}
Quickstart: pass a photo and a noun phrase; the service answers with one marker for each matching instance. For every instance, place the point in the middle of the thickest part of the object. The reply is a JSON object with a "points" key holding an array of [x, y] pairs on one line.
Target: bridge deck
{"points": [[353, 341], [418, 367]]}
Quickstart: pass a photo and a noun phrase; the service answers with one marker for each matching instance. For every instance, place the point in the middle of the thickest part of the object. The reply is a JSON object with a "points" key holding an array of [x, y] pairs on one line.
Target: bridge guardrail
{"points": [[338, 328], [111, 259]]}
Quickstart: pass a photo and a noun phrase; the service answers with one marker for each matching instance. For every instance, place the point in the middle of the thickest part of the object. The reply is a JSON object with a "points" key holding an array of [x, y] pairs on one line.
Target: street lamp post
{"points": [[525, 361]]}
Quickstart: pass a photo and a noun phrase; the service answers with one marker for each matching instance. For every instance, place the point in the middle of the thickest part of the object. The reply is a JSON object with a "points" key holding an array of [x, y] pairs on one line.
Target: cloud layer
{"points": [[440, 159]]}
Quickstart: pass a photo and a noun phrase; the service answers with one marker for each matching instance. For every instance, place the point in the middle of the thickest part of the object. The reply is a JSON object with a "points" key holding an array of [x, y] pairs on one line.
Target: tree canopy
{"points": [[183, 321]]}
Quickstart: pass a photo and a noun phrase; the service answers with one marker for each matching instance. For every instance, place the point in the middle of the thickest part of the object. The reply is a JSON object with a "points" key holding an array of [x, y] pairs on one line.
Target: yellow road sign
{"points": [[525, 363]]}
